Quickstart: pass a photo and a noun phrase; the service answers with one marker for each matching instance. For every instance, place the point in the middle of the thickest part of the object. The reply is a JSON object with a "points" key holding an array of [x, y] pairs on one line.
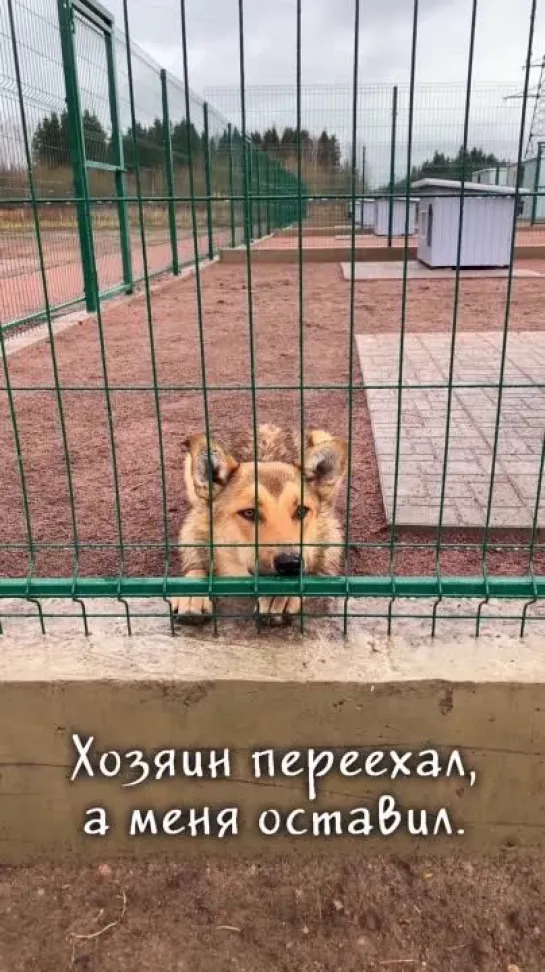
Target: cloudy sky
{"points": [[385, 31], [327, 66], [327, 60]]}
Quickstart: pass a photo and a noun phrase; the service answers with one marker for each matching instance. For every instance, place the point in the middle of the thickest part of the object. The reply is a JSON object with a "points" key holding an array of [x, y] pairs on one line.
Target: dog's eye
{"points": [[248, 514], [301, 512]]}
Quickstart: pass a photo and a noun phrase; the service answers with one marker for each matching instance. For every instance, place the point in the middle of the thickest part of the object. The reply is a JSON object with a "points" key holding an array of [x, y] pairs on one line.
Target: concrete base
{"points": [[314, 254], [368, 692], [420, 271], [322, 230], [336, 254], [36, 333]]}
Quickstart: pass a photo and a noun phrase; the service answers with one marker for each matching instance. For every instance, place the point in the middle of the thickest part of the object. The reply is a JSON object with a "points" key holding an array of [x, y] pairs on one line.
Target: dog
{"points": [[282, 513]]}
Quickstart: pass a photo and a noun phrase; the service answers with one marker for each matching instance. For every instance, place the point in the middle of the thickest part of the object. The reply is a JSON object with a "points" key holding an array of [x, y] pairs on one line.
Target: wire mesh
{"points": [[109, 168], [42, 85], [117, 171]]}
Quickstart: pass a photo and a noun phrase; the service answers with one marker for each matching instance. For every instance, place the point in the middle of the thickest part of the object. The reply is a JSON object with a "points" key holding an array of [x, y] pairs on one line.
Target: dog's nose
{"points": [[287, 564]]}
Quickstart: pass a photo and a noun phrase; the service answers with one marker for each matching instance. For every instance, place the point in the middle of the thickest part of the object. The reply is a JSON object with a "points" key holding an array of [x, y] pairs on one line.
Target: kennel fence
{"points": [[263, 196], [74, 86]]}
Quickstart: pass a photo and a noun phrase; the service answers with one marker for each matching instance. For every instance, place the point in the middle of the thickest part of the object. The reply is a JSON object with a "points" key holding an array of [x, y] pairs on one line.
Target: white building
{"points": [[382, 216], [365, 213], [487, 229], [497, 175]]}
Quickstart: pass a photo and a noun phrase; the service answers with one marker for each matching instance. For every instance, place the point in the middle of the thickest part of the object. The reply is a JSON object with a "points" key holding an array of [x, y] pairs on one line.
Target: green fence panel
{"points": [[121, 174]]}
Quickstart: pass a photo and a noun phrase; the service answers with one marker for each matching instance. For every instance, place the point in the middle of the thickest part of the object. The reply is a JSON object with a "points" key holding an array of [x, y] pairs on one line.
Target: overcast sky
{"points": [[327, 49], [327, 59], [327, 66]]}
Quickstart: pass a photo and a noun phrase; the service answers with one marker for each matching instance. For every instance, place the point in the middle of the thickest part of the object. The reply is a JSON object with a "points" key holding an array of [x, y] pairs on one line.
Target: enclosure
{"points": [[136, 179], [488, 224]]}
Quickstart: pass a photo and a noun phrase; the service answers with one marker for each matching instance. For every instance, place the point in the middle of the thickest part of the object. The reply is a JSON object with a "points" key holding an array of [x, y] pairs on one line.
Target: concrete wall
{"points": [[485, 697], [343, 254]]}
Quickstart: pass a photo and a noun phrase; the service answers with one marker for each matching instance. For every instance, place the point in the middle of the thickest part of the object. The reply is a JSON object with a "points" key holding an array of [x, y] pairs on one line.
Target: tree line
{"points": [[51, 143], [441, 166], [325, 150], [323, 164]]}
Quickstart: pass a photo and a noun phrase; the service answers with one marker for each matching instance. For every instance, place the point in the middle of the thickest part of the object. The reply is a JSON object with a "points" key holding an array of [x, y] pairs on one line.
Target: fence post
{"points": [[120, 185], [277, 201], [258, 190], [268, 206], [169, 167], [250, 149], [77, 149], [207, 183], [537, 180], [231, 200], [277, 191], [392, 164], [286, 212], [363, 173], [272, 190]]}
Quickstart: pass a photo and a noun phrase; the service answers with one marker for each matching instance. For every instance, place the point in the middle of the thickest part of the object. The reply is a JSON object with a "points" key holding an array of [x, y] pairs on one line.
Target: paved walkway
{"points": [[472, 427]]}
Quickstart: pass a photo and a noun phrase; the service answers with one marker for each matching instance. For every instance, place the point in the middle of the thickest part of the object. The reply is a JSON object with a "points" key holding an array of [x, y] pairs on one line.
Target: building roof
{"points": [[469, 187], [397, 197]]}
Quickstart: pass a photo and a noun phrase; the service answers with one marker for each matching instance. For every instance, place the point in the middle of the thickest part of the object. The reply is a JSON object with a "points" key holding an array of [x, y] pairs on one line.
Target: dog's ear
{"points": [[325, 462], [221, 468]]}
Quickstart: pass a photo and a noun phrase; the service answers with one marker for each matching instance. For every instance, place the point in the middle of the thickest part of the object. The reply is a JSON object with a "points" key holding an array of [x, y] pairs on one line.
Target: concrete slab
{"points": [[394, 271], [19, 341], [472, 426]]}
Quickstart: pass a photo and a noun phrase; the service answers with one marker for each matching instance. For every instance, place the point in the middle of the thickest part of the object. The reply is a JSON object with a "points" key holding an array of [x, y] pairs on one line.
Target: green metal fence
{"points": [[157, 171], [437, 112], [75, 93]]}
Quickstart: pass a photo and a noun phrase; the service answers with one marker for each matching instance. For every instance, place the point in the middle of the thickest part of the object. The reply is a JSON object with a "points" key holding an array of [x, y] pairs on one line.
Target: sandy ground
{"points": [[22, 294], [145, 510], [22, 291], [453, 916]]}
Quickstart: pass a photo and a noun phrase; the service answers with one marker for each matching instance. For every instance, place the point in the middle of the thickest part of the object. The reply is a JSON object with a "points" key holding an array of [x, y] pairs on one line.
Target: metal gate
{"points": [[96, 147]]}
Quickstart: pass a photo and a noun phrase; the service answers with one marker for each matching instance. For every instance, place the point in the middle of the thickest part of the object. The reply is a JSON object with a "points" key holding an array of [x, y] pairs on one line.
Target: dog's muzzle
{"points": [[288, 564], [283, 565]]}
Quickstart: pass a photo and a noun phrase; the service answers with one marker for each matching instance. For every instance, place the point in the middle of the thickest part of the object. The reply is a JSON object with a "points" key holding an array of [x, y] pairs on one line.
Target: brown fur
{"points": [[279, 496]]}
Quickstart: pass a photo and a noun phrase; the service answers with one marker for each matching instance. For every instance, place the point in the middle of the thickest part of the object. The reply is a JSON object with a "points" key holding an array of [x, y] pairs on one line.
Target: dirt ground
{"points": [[22, 294], [145, 510], [319, 916]]}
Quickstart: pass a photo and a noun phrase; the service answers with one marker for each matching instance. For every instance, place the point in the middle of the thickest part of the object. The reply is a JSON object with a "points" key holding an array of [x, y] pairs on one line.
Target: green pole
{"points": [[363, 173], [268, 191], [77, 147], [119, 162], [249, 151], [277, 189], [272, 180], [258, 191], [536, 184], [207, 182], [169, 167], [392, 164], [231, 200]]}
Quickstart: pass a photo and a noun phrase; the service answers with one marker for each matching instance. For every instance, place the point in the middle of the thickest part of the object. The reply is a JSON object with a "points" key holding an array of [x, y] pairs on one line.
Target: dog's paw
{"points": [[192, 610], [275, 611]]}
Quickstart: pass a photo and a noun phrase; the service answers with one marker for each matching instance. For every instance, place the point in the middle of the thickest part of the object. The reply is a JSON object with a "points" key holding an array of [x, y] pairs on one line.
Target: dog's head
{"points": [[291, 502]]}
